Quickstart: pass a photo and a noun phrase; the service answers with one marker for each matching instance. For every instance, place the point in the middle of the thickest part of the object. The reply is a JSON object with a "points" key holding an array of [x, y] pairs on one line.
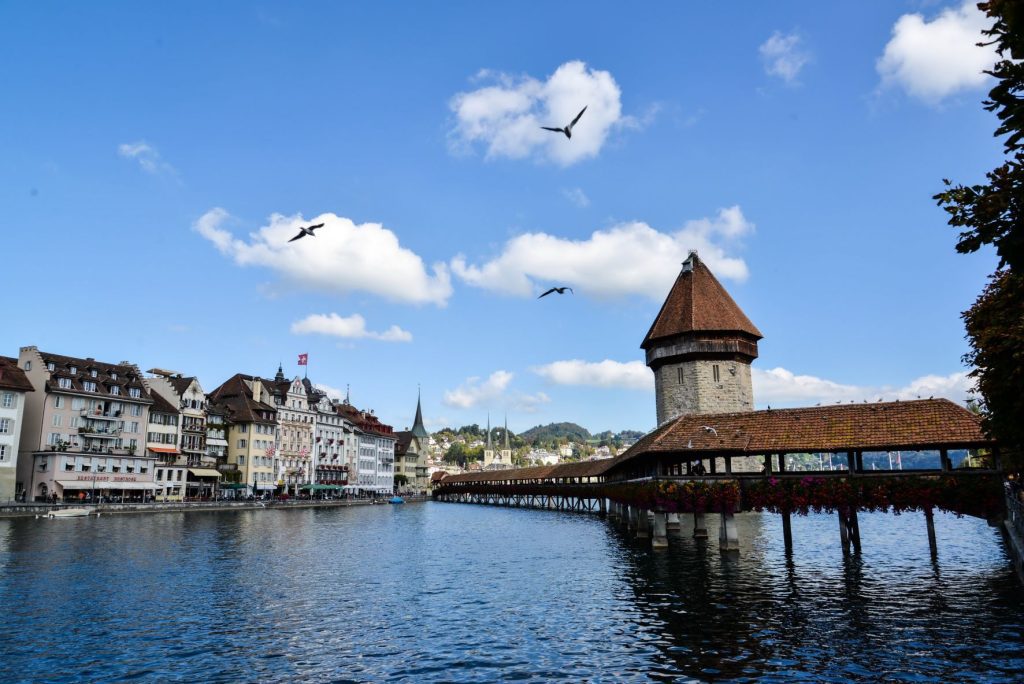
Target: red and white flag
{"points": [[303, 359]]}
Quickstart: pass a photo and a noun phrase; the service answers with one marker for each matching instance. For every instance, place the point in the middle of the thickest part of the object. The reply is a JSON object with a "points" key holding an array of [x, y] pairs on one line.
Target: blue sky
{"points": [[155, 160]]}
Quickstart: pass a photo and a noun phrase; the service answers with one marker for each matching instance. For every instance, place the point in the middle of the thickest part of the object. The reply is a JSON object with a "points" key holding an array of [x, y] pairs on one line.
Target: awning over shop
{"points": [[163, 450], [319, 487], [204, 472], [100, 485], [266, 486]]}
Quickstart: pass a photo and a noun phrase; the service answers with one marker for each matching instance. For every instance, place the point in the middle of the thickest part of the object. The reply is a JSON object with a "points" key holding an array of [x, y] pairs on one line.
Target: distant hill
{"points": [[555, 431]]}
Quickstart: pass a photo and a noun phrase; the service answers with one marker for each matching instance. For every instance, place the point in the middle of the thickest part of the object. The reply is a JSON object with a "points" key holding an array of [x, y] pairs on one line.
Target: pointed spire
{"points": [[506, 431], [417, 426], [489, 447], [280, 373]]}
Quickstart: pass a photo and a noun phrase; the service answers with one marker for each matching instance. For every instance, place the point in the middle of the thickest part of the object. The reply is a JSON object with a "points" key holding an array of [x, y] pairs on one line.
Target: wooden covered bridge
{"points": [[728, 463]]}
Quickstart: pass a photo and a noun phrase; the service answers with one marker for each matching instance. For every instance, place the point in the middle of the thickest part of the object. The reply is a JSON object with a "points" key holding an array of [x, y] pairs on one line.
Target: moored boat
{"points": [[69, 513], [396, 500]]}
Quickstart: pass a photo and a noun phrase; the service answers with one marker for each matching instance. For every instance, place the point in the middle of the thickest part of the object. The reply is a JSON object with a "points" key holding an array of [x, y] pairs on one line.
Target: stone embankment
{"points": [[19, 510]]}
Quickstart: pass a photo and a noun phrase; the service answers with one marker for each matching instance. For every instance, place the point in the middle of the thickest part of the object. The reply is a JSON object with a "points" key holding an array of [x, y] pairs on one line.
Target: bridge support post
{"points": [[849, 530], [929, 518], [787, 532], [643, 524], [672, 522], [728, 536], [602, 509], [700, 528], [632, 519], [660, 538], [844, 533]]}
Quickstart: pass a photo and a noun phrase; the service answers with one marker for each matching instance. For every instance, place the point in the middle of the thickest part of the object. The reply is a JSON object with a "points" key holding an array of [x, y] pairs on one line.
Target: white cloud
{"points": [[780, 386], [331, 392], [146, 155], [630, 258], [342, 257], [783, 56], [353, 326], [493, 391], [474, 392], [934, 59], [577, 197], [506, 116], [607, 373]]}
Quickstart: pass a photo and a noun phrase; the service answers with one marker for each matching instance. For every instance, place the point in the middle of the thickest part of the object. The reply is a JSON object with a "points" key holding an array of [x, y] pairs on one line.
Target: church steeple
{"points": [[417, 426], [280, 374], [506, 432], [489, 447]]}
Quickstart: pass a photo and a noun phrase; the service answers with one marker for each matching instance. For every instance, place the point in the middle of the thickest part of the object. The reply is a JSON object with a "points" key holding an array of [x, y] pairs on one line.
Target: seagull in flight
{"points": [[559, 290], [304, 231], [568, 129]]}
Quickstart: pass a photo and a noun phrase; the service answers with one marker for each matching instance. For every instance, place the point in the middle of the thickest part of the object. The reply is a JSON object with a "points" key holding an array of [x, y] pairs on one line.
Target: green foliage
{"points": [[461, 455], [993, 214], [401, 479], [555, 433]]}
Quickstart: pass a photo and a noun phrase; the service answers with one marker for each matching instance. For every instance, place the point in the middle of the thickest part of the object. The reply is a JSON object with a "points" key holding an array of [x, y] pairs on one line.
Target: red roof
{"points": [[697, 303]]}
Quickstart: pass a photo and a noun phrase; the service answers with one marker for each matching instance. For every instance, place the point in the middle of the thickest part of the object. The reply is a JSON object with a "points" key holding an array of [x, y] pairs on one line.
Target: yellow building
{"points": [[247, 403]]}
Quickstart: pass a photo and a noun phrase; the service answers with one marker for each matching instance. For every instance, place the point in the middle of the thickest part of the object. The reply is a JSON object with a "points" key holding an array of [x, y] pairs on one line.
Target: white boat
{"points": [[69, 513]]}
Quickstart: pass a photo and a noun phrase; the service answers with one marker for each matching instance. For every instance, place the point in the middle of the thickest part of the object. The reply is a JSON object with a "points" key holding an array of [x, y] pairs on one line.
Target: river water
{"points": [[463, 593]]}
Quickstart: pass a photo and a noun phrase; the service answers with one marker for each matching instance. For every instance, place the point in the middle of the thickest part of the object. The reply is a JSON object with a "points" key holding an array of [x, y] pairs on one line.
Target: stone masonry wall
{"points": [[699, 392]]}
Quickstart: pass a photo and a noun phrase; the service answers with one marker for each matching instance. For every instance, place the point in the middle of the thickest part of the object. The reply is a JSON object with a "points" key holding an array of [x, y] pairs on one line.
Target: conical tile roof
{"points": [[699, 304]]}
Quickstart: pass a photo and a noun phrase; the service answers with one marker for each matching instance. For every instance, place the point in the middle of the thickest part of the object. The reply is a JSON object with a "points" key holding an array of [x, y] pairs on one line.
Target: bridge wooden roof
{"points": [[899, 425], [882, 426]]}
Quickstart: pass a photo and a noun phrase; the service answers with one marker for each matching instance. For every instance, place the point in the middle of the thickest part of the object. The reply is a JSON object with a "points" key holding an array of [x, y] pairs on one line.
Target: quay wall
{"points": [[32, 510]]}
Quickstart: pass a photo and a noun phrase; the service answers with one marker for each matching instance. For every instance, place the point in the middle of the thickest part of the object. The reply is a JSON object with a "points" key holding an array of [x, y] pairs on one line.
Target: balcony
{"points": [[96, 414], [99, 433]]}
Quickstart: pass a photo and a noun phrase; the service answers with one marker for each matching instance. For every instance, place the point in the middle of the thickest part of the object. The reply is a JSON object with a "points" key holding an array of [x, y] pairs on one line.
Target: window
{"points": [[77, 404], [679, 375], [69, 465], [714, 371], [73, 370], [88, 386], [74, 422], [241, 444], [129, 469], [8, 400], [64, 383], [135, 410], [241, 460], [159, 473], [134, 392], [243, 428], [115, 390], [28, 365], [5, 426], [115, 469], [92, 373], [143, 469], [3, 452], [49, 366], [57, 420], [113, 375]]}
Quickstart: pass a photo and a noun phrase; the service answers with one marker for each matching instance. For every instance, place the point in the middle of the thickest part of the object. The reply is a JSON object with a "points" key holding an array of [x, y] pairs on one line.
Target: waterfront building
{"points": [[246, 403], [83, 429], [497, 460], [13, 387], [187, 394], [296, 422], [411, 452], [330, 463], [375, 456], [162, 436], [216, 435], [700, 348]]}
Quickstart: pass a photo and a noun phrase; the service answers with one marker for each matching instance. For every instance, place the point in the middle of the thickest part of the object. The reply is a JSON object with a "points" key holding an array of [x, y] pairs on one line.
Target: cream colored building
{"points": [[296, 422]]}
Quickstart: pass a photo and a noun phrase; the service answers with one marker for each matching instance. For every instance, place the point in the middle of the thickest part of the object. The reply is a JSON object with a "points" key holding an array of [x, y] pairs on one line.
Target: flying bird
{"points": [[559, 290], [304, 231], [568, 129]]}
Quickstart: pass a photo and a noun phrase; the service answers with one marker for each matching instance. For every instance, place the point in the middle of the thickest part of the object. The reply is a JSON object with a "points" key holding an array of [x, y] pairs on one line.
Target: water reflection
{"points": [[447, 592]]}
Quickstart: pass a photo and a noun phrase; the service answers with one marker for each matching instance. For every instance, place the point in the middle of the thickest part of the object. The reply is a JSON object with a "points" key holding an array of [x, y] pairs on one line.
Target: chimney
{"points": [[257, 390]]}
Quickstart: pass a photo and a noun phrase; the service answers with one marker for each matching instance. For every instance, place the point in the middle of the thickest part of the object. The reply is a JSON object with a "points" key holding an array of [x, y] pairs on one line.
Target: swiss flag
{"points": [[303, 359]]}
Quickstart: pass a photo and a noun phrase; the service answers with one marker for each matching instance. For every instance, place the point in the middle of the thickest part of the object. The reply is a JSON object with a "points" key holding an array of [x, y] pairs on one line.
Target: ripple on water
{"points": [[442, 592]]}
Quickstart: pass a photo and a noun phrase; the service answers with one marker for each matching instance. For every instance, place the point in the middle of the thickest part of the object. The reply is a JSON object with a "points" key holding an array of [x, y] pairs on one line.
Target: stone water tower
{"points": [[700, 347]]}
